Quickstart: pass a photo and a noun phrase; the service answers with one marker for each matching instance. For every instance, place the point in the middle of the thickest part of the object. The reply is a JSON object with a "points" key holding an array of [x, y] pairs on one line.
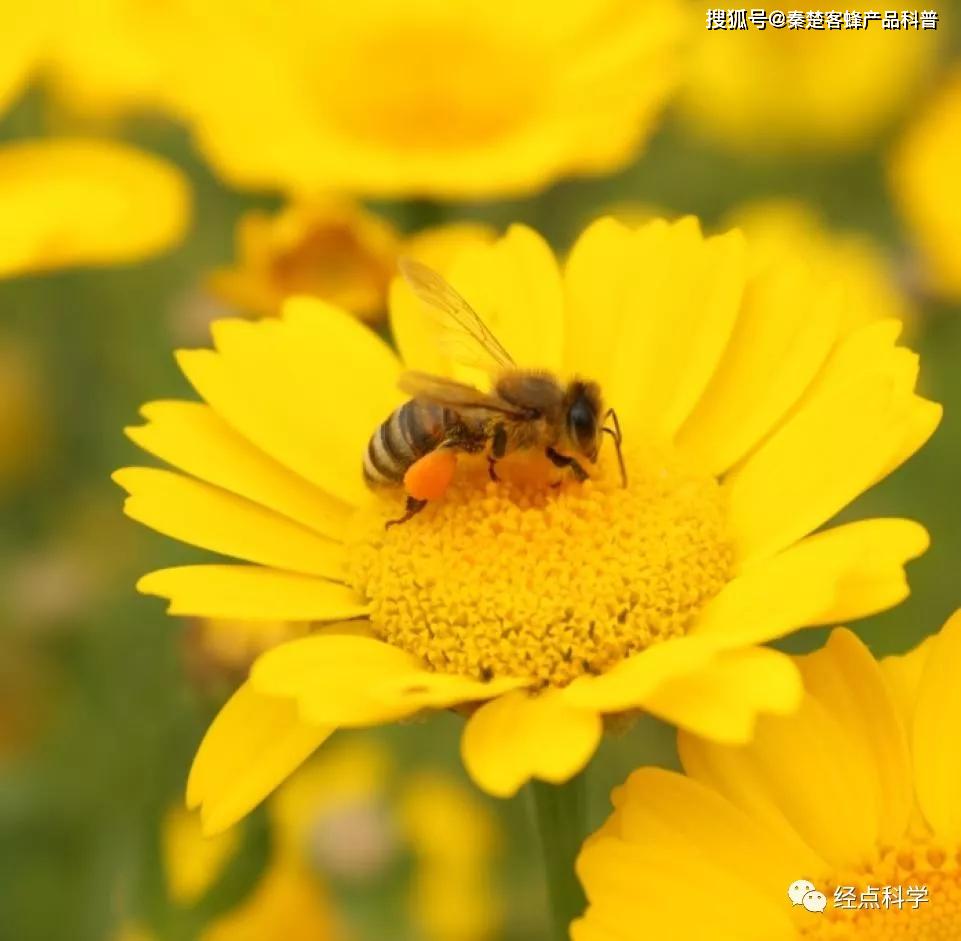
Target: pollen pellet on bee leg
{"points": [[429, 477]]}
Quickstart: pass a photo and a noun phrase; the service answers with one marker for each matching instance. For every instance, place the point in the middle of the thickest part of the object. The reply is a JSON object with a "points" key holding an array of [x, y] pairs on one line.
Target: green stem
{"points": [[561, 813]]}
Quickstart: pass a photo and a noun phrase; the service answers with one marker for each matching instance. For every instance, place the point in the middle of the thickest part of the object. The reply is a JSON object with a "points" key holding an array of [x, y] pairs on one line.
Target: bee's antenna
{"points": [[615, 433]]}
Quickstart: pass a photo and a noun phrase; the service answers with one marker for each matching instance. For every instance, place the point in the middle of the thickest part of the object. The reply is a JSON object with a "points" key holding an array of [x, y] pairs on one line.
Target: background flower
{"points": [[330, 249], [452, 100], [926, 188], [763, 91], [855, 790]]}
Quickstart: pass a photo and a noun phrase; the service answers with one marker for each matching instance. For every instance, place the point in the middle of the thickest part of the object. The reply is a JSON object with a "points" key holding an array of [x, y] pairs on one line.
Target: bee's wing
{"points": [[454, 395], [463, 334]]}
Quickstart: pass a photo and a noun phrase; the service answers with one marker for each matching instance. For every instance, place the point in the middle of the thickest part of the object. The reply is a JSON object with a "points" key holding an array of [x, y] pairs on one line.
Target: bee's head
{"points": [[582, 411]]}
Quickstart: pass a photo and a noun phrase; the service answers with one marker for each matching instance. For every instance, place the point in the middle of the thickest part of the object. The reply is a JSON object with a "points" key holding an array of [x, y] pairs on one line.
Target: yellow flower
{"points": [[113, 56], [351, 810], [857, 789], [457, 99], [331, 249], [72, 202], [924, 181], [765, 91], [780, 230], [19, 49], [748, 422], [192, 861], [345, 816]]}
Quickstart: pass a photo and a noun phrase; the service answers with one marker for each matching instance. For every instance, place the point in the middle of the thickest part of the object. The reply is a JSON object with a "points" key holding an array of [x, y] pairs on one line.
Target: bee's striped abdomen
{"points": [[410, 432]]}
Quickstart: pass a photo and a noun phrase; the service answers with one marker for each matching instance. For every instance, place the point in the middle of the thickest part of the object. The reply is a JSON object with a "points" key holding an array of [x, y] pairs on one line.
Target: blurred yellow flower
{"points": [[106, 58], [461, 99], [350, 811], [799, 90], [858, 788], [67, 202], [749, 421], [925, 184], [782, 231], [345, 817], [192, 861], [331, 249], [19, 49]]}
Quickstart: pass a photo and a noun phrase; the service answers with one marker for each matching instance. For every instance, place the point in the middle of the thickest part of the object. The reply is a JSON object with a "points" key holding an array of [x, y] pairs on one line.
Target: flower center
{"points": [[521, 578], [914, 894], [427, 87]]}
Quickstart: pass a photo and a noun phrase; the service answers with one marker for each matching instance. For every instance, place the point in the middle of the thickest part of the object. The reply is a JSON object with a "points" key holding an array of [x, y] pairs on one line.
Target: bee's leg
{"points": [[615, 434], [414, 506], [562, 460], [498, 450]]}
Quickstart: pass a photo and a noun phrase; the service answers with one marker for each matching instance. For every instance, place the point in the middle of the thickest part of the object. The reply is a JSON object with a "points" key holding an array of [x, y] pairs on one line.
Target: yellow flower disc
{"points": [[521, 579]]}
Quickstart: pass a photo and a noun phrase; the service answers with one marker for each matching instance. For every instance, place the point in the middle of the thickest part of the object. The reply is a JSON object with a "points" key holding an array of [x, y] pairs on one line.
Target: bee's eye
{"points": [[582, 424]]}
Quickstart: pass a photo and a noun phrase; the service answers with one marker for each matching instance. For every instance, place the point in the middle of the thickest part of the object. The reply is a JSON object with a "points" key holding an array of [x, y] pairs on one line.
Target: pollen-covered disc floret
{"points": [[521, 578], [918, 892]]}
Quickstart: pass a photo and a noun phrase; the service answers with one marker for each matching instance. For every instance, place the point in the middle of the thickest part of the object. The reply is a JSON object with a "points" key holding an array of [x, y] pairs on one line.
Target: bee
{"points": [[417, 445]]}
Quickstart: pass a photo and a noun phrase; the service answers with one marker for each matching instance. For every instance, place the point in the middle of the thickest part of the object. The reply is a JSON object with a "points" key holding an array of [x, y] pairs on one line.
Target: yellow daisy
{"points": [[924, 182], [537, 604], [855, 793], [454, 100], [67, 202], [327, 248], [764, 91]]}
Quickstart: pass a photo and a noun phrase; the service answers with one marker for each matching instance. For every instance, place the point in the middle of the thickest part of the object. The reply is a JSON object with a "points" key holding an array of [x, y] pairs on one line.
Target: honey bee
{"points": [[418, 443]]}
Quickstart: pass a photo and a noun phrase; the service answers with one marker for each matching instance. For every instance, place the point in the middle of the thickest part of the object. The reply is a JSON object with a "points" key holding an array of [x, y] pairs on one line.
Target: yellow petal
{"points": [[427, 690], [848, 681], [842, 437], [192, 861], [193, 438], [519, 736], [253, 744], [415, 332], [211, 518], [722, 700], [86, 202], [801, 776], [937, 714], [780, 341], [251, 593], [626, 685], [846, 572], [630, 885], [22, 32], [348, 680], [903, 675], [650, 312], [515, 286], [674, 815], [290, 387]]}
